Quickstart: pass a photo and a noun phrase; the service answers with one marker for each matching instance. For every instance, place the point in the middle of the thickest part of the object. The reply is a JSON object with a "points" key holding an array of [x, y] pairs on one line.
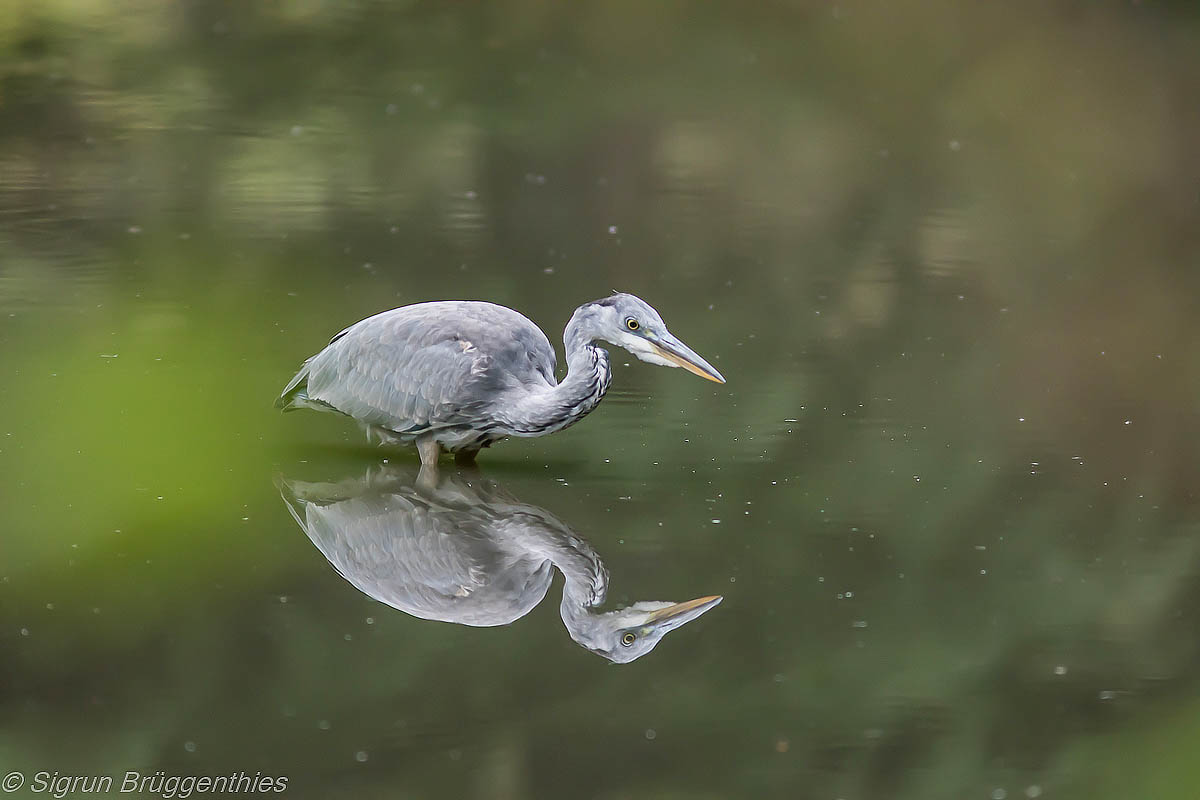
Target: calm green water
{"points": [[946, 254]]}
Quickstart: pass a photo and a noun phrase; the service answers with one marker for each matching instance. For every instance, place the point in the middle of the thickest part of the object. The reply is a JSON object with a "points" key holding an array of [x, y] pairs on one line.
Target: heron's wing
{"points": [[392, 550], [429, 365], [434, 565]]}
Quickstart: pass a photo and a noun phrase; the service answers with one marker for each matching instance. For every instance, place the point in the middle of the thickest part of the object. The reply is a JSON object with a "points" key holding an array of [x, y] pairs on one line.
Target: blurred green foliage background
{"points": [[946, 254]]}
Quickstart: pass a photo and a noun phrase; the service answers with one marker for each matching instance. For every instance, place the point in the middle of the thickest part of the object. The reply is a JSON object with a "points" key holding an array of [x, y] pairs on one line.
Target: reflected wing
{"points": [[436, 565], [385, 546]]}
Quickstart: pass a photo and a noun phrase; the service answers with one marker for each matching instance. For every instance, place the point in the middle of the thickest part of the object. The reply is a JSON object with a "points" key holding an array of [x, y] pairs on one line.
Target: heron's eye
{"points": [[632, 324], [628, 638]]}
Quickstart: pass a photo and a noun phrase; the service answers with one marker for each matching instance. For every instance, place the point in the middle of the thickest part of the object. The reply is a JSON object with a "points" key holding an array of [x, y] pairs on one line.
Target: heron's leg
{"points": [[427, 479], [429, 450], [465, 458]]}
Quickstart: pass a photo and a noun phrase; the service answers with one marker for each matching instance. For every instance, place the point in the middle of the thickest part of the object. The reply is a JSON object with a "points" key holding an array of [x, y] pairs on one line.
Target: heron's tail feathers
{"points": [[295, 395]]}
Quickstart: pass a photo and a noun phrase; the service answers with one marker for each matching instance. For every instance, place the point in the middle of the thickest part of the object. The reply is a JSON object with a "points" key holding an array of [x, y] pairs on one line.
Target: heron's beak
{"points": [[681, 613], [681, 355]]}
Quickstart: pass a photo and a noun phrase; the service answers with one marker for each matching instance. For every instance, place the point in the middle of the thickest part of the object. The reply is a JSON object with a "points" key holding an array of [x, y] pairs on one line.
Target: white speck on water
{"points": [[715, 521], [549, 270], [297, 130], [135, 229], [1107, 694], [612, 229], [999, 794], [324, 725], [283, 598], [650, 734], [1061, 669], [348, 637], [189, 746], [360, 756], [49, 606], [24, 631], [1033, 791], [1128, 422], [732, 579], [859, 623], [1020, 419], [471, 195], [983, 572], [390, 108], [370, 620]]}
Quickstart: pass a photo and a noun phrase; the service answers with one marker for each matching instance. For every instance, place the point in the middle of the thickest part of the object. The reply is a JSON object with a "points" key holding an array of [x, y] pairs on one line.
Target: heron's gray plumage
{"points": [[465, 552], [460, 554], [421, 368], [465, 374]]}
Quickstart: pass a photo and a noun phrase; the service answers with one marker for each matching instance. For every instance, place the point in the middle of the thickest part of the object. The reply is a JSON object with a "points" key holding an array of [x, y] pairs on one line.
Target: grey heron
{"points": [[460, 375], [465, 552]]}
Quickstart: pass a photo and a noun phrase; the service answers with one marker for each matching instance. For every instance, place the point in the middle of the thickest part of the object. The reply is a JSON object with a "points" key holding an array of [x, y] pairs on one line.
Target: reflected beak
{"points": [[680, 613], [681, 355]]}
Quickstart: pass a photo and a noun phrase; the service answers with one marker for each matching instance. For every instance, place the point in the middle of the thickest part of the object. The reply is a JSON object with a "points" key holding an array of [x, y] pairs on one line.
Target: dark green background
{"points": [[946, 254]]}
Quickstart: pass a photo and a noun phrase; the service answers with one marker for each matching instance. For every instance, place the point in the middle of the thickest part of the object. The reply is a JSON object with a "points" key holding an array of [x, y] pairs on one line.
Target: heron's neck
{"points": [[583, 590], [587, 380], [585, 579]]}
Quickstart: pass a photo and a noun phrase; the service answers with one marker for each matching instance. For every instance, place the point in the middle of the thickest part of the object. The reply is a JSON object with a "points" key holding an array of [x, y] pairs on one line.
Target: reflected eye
{"points": [[628, 638], [632, 324]]}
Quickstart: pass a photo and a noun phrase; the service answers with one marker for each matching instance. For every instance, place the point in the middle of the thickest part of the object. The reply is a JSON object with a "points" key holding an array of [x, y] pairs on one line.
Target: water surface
{"points": [[946, 256]]}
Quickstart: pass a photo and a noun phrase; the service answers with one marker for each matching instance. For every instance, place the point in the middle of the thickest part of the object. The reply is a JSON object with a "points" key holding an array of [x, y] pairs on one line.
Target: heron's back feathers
{"points": [[424, 367]]}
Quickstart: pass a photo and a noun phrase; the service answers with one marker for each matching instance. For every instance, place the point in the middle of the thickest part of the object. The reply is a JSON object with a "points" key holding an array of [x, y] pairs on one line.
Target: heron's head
{"points": [[630, 322], [628, 634]]}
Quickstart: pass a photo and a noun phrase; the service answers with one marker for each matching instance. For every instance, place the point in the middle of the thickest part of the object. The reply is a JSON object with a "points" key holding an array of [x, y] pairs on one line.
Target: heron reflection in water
{"points": [[461, 550]]}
